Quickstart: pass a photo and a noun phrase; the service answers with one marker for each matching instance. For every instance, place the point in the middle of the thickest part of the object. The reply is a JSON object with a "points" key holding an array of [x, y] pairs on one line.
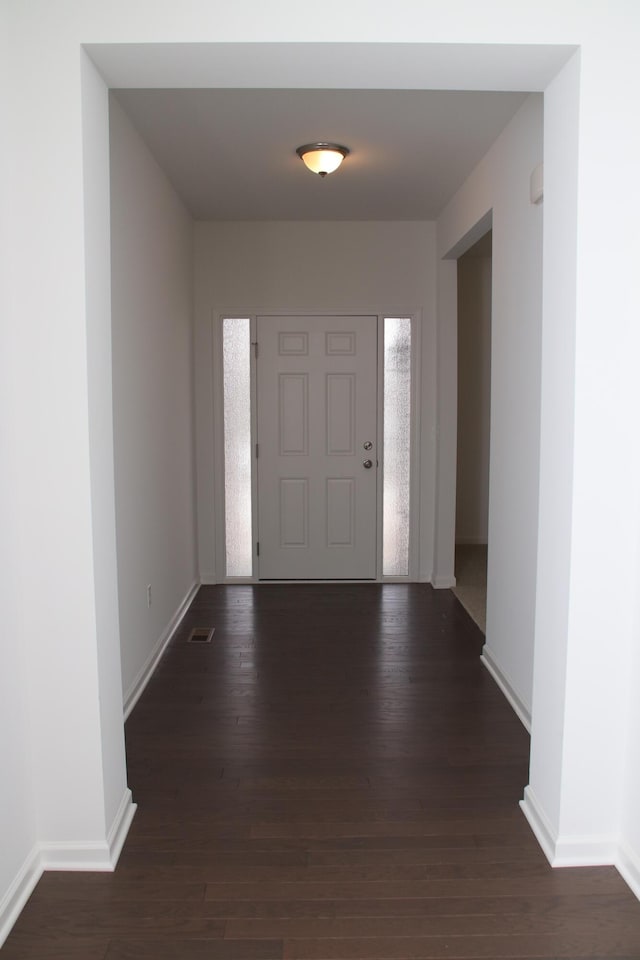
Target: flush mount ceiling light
{"points": [[322, 158]]}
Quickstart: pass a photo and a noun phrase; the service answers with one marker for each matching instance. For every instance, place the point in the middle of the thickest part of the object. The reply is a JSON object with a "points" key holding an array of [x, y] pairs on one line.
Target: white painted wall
{"points": [[474, 399], [95, 107], [18, 828], [152, 293], [501, 183], [584, 737], [630, 827], [363, 267], [68, 803]]}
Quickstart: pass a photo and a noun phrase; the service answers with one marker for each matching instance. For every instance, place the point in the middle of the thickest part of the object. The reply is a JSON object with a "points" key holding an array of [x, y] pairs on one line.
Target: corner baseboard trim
{"points": [[120, 827], [137, 688], [15, 898], [596, 851], [539, 823], [444, 582], [571, 851], [628, 866], [91, 856], [208, 580], [98, 856], [518, 706]]}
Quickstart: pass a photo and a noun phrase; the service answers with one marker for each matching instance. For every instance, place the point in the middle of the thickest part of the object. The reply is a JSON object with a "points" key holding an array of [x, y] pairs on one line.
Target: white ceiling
{"points": [[230, 153]]}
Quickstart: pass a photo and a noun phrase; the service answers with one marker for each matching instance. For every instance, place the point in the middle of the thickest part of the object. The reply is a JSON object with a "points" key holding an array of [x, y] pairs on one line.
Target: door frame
{"points": [[218, 316]]}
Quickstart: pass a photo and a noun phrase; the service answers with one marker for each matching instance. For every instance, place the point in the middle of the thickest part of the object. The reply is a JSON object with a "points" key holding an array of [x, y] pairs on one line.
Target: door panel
{"points": [[317, 406]]}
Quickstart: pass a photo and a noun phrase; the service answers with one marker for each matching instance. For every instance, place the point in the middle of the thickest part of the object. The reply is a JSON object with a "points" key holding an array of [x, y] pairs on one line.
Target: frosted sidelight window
{"points": [[236, 354], [397, 446]]}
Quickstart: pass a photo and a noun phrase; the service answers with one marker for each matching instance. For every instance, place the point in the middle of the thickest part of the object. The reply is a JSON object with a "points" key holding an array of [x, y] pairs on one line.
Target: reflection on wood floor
{"points": [[334, 776]]}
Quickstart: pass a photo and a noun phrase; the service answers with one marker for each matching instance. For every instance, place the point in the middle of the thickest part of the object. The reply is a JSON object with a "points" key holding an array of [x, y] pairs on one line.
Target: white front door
{"points": [[317, 462]]}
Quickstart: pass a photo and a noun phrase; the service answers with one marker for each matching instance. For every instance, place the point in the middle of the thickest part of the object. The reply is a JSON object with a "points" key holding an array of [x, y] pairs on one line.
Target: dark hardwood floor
{"points": [[334, 776]]}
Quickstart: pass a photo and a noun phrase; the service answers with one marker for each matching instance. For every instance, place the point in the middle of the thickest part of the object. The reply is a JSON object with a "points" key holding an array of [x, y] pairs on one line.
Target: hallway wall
{"points": [[18, 823], [18, 827], [151, 251], [500, 184]]}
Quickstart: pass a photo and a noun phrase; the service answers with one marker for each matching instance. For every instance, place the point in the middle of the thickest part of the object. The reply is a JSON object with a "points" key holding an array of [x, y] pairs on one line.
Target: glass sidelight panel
{"points": [[236, 349], [397, 446]]}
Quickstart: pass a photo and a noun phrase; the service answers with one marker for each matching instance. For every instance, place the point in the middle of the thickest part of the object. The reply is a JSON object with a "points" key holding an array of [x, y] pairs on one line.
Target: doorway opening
{"points": [[474, 423], [318, 435]]}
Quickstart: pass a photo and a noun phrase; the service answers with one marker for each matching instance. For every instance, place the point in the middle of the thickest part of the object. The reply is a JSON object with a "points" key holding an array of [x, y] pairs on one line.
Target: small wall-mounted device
{"points": [[536, 184]]}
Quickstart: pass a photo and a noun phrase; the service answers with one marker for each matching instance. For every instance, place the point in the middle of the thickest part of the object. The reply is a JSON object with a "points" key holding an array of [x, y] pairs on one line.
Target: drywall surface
{"points": [[95, 114], [363, 267], [590, 469], [630, 853], [151, 252], [584, 679], [474, 399], [63, 761], [18, 828], [501, 183]]}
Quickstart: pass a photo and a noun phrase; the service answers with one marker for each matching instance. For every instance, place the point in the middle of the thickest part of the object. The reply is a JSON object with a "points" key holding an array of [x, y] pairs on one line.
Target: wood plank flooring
{"points": [[334, 777]]}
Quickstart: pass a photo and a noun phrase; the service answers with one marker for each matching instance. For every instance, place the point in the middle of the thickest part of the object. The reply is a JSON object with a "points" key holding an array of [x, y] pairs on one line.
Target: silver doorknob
{"points": [[367, 464], [367, 445]]}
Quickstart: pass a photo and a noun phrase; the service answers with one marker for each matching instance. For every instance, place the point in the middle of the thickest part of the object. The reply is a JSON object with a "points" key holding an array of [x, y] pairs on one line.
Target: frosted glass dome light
{"points": [[322, 158]]}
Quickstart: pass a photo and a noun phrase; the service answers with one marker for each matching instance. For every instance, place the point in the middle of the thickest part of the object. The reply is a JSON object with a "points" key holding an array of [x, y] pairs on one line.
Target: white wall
{"points": [[630, 825], [589, 452], [585, 741], [501, 183], [66, 803], [366, 267], [152, 282], [474, 398], [18, 828]]}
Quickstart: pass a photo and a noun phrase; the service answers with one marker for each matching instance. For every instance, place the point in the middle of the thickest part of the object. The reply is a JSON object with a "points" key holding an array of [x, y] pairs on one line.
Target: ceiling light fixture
{"points": [[322, 158]]}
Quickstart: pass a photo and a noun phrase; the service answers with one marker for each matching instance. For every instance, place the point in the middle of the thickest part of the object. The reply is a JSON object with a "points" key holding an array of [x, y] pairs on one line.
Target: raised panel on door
{"points": [[293, 512], [316, 408], [340, 390], [293, 414]]}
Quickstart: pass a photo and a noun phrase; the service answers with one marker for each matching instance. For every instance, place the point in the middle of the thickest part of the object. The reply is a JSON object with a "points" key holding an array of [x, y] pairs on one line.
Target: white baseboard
{"points": [[539, 823], [19, 892], [503, 682], [96, 856], [93, 856], [628, 865], [443, 582], [120, 826], [572, 851], [136, 689], [595, 851], [208, 580]]}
